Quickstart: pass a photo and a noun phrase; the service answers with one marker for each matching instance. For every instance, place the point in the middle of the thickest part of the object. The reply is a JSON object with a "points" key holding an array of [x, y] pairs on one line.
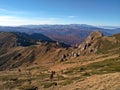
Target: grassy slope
{"points": [[102, 67], [108, 43]]}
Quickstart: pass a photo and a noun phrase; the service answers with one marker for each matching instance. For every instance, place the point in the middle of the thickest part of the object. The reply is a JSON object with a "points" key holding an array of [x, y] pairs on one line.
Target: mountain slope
{"points": [[7, 41], [20, 49], [98, 43], [14, 54], [30, 67]]}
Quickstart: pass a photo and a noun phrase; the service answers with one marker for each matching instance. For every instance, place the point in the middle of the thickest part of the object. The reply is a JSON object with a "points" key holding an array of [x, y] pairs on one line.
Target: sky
{"points": [[35, 12]]}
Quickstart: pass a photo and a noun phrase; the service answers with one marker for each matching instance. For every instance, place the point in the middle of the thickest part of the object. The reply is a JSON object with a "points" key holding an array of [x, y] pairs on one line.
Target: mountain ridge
{"points": [[70, 34]]}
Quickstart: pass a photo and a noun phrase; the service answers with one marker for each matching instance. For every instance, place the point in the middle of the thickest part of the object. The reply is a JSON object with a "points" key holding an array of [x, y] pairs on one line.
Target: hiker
{"points": [[52, 74]]}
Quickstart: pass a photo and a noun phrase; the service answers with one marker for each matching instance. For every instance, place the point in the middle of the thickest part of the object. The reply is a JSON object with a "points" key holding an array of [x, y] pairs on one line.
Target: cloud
{"points": [[16, 18], [2, 10], [12, 12], [72, 16], [16, 21]]}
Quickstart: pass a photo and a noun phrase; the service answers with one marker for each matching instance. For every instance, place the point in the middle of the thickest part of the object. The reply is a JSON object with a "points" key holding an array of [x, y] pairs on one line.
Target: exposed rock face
{"points": [[63, 58], [89, 45], [74, 54], [95, 35]]}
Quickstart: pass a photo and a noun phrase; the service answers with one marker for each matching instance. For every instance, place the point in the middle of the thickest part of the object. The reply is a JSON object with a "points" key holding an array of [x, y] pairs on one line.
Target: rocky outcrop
{"points": [[89, 45]]}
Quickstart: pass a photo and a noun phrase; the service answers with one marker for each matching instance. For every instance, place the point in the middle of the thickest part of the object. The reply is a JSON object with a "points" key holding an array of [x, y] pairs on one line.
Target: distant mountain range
{"points": [[70, 34]]}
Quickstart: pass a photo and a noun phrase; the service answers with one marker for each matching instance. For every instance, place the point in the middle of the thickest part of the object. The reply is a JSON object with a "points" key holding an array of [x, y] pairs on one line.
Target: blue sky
{"points": [[92, 12]]}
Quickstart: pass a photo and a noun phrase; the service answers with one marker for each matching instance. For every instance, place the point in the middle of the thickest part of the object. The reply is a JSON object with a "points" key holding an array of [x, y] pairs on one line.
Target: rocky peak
{"points": [[89, 44], [95, 35]]}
